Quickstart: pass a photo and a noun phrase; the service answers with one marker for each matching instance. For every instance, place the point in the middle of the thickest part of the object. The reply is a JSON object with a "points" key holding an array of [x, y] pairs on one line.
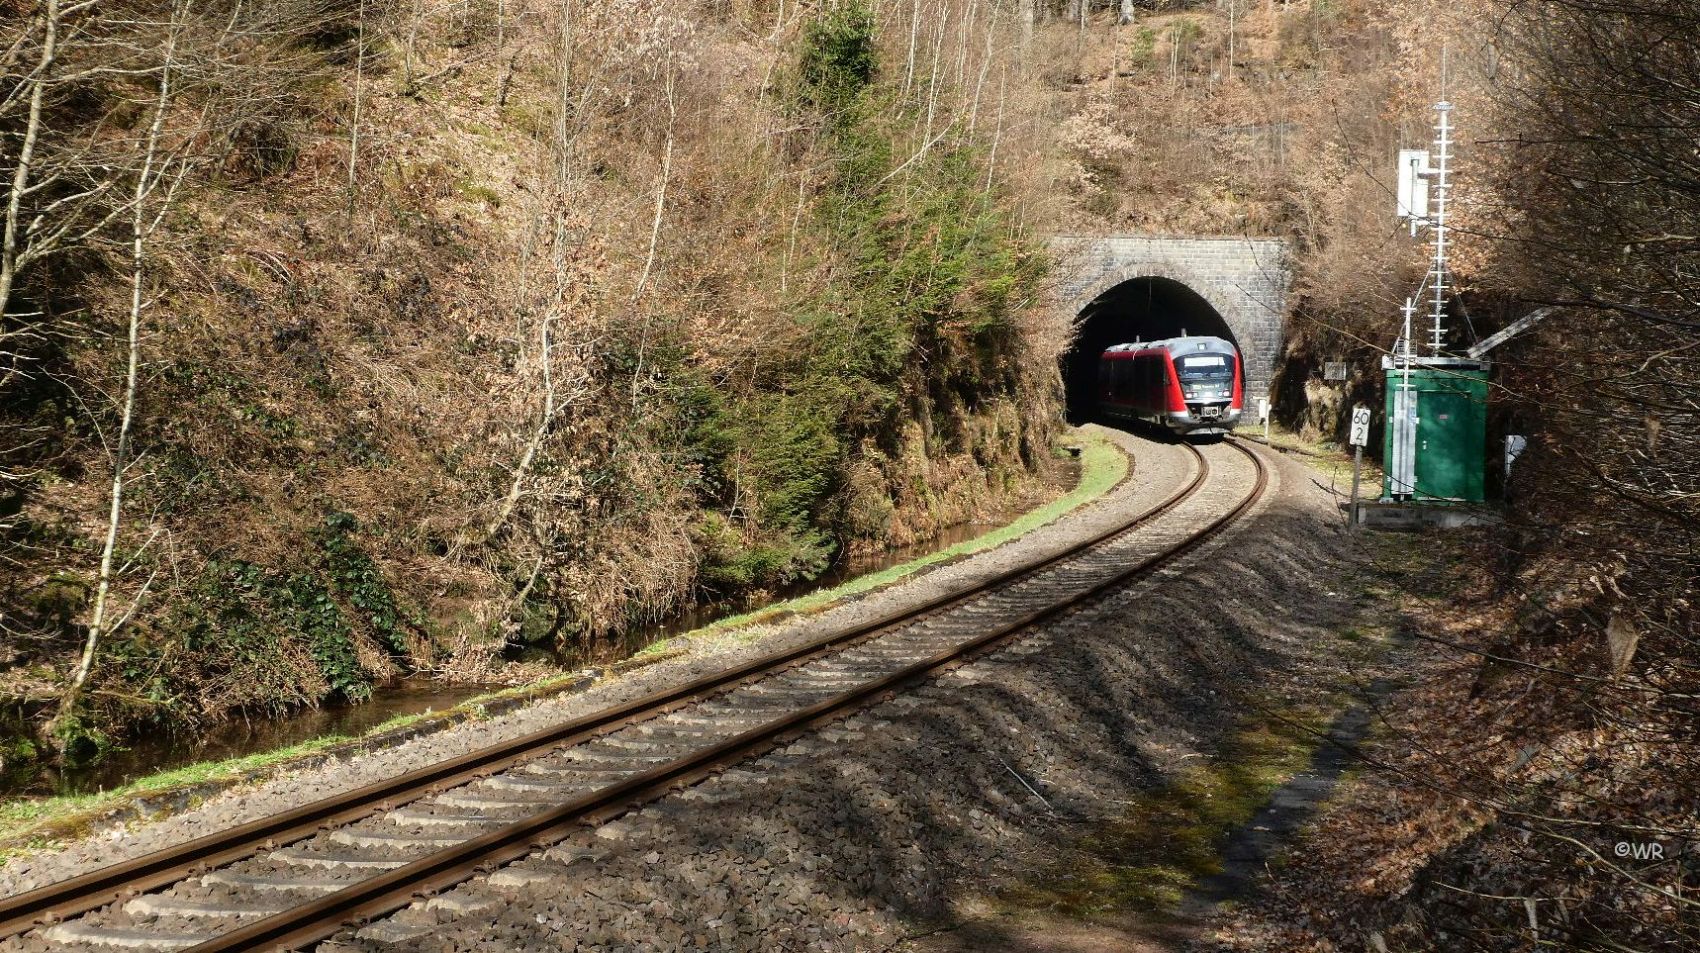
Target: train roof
{"points": [[1179, 345]]}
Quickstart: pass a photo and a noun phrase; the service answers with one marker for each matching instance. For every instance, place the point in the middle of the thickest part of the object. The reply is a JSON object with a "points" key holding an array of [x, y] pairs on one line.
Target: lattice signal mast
{"points": [[1437, 272], [1425, 188], [1436, 404]]}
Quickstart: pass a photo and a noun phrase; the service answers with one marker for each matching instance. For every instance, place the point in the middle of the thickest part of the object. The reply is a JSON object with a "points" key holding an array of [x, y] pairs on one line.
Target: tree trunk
{"points": [[410, 52], [1232, 11], [148, 179], [354, 129], [985, 65], [11, 241], [546, 348], [933, 80], [997, 133], [796, 222], [914, 31], [654, 236]]}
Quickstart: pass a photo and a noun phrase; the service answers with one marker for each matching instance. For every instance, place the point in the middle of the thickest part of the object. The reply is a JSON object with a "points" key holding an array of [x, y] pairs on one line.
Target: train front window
{"points": [[1199, 368]]}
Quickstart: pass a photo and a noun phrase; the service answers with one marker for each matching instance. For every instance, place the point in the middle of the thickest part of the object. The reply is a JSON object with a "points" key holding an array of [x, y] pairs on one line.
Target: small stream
{"points": [[238, 737], [163, 750]]}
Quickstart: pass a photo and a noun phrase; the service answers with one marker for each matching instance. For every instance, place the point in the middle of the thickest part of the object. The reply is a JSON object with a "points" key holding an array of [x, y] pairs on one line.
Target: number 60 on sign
{"points": [[1360, 426]]}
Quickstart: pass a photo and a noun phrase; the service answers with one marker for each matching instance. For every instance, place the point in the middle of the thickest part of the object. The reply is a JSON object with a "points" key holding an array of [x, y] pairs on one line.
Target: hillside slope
{"points": [[465, 323]]}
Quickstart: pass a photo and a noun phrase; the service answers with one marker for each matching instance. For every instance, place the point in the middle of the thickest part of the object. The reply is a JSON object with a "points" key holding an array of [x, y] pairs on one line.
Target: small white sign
{"points": [[1413, 184], [1514, 446], [1263, 408], [1360, 426]]}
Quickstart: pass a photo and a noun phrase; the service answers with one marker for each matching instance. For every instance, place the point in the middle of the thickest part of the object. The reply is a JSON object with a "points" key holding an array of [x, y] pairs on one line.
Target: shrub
{"points": [[838, 58], [357, 578]]}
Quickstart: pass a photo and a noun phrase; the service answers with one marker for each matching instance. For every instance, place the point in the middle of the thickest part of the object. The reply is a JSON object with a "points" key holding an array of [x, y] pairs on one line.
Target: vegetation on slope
{"points": [[456, 324]]}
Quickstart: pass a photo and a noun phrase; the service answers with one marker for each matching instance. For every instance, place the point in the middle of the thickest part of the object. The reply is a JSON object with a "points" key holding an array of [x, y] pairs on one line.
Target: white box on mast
{"points": [[1413, 186]]}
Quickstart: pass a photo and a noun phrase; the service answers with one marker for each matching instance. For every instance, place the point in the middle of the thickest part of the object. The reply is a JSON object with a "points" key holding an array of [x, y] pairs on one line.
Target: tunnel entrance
{"points": [[1141, 309]]}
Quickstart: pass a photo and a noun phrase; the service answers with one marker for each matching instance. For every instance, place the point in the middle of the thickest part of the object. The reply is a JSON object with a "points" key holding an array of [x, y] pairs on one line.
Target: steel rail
{"points": [[377, 896], [75, 896]]}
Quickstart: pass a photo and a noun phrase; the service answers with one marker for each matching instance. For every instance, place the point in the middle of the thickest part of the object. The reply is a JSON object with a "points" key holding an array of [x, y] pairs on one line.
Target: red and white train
{"points": [[1191, 385]]}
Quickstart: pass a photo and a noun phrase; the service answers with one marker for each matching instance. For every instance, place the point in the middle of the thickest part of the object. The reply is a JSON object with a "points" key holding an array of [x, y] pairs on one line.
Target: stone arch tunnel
{"points": [[1139, 309], [1124, 288]]}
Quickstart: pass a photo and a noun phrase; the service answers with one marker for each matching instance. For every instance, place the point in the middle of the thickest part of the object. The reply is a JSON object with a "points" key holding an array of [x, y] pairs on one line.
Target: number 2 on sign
{"points": [[1360, 426]]}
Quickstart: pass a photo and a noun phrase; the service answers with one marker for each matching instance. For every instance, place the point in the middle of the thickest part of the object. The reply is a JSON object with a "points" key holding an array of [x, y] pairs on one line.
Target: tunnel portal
{"points": [[1116, 288], [1140, 309]]}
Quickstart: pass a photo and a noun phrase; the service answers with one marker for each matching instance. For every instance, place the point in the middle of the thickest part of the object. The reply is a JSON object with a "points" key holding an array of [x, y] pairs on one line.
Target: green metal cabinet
{"points": [[1448, 430]]}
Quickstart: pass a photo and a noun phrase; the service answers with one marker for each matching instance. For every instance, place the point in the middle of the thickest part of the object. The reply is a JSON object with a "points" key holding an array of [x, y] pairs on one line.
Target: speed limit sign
{"points": [[1360, 436], [1360, 426]]}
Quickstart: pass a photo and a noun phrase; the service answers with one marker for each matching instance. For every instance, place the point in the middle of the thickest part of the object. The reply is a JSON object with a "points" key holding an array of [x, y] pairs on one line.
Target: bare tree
{"points": [[153, 186], [410, 47], [556, 390], [14, 253], [669, 82], [914, 33], [55, 200], [985, 66], [359, 100], [997, 132]]}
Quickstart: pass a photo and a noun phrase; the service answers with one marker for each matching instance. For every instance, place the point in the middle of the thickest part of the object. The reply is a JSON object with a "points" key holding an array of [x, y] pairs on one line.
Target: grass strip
{"points": [[1102, 466], [19, 815], [1325, 455]]}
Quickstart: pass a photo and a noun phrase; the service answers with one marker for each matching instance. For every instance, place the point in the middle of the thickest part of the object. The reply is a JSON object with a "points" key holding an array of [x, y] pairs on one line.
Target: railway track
{"points": [[292, 879]]}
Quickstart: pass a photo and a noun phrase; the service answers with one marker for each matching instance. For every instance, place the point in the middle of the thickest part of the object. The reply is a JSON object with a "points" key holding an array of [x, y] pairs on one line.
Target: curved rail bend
{"points": [[73, 897], [386, 893]]}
